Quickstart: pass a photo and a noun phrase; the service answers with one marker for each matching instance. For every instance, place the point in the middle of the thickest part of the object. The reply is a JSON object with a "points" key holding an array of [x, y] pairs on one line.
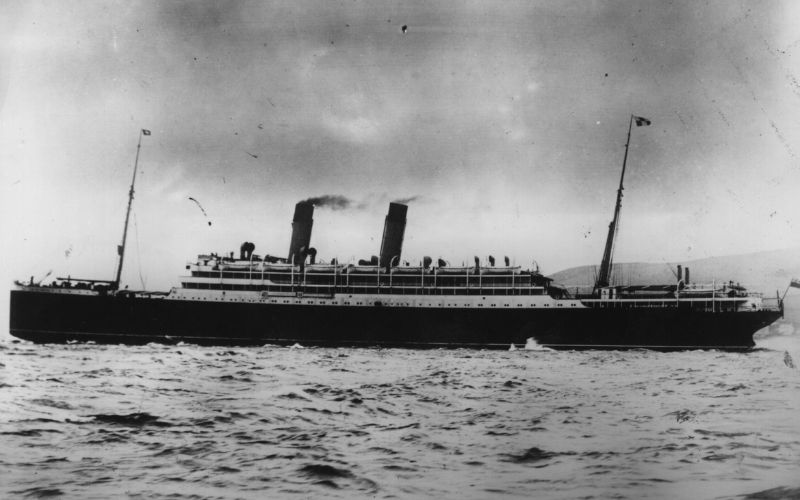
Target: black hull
{"points": [[58, 318]]}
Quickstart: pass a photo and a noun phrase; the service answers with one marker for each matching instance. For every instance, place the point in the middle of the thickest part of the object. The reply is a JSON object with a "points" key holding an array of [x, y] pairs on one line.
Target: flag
{"points": [[795, 283], [641, 121], [147, 132]]}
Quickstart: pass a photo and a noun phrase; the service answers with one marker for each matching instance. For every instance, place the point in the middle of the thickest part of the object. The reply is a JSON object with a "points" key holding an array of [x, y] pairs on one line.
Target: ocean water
{"points": [[89, 421]]}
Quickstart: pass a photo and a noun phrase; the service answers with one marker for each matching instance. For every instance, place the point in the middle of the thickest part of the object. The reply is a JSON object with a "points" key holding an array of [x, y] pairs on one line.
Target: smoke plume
{"points": [[332, 201], [406, 201], [340, 202]]}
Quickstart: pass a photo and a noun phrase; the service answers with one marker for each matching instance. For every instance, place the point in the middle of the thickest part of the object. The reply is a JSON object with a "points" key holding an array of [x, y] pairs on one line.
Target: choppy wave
{"points": [[88, 421]]}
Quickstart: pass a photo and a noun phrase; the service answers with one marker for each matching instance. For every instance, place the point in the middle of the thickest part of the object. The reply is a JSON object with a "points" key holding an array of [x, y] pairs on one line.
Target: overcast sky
{"points": [[505, 122]]}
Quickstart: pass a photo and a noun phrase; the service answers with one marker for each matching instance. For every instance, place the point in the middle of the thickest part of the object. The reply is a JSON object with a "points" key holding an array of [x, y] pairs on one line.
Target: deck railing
{"points": [[345, 280]]}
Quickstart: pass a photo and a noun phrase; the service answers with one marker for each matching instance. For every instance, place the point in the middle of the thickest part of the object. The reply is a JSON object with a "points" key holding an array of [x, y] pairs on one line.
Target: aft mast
{"points": [[604, 276], [121, 248]]}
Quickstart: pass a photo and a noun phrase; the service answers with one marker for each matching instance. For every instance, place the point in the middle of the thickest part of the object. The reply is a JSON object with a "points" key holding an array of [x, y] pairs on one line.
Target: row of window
{"points": [[347, 303], [343, 288], [369, 279]]}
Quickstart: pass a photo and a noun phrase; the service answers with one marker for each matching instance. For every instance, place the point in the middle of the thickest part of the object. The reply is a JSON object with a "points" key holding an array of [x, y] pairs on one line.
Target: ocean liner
{"points": [[383, 301]]}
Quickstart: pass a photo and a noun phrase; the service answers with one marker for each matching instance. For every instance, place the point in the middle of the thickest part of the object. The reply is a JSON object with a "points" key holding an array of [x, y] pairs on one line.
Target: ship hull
{"points": [[58, 318]]}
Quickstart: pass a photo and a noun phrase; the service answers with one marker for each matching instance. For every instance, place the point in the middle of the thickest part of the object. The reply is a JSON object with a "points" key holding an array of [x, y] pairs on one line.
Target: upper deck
{"points": [[218, 273]]}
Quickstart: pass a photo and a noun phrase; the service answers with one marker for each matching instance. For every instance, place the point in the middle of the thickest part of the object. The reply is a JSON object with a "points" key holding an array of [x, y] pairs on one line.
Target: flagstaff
{"points": [[121, 247]]}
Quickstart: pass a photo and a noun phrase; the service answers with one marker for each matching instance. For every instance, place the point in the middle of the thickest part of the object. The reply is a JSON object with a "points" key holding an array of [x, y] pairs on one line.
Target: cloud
{"points": [[362, 116], [165, 181], [358, 129]]}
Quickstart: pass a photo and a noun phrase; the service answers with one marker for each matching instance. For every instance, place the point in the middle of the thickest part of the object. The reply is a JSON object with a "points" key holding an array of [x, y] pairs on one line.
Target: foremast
{"points": [[604, 276], [121, 247]]}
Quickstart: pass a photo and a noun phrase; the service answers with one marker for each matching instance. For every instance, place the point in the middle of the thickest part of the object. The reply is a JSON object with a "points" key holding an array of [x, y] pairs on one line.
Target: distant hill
{"points": [[760, 272]]}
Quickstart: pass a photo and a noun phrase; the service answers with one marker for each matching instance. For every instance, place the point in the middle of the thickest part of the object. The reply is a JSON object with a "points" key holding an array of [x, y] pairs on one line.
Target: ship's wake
{"points": [[532, 345]]}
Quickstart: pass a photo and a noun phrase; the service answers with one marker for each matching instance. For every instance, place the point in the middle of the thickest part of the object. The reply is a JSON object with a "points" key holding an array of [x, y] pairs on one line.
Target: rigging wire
{"points": [[138, 253]]}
